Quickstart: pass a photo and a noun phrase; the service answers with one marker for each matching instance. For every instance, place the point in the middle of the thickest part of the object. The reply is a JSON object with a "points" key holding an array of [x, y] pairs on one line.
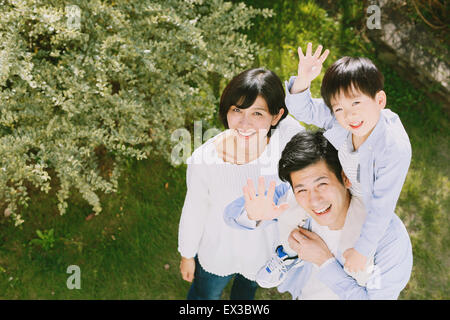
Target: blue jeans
{"points": [[208, 286]]}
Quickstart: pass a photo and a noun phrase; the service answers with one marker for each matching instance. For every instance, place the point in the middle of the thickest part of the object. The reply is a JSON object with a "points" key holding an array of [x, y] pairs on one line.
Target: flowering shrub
{"points": [[83, 79]]}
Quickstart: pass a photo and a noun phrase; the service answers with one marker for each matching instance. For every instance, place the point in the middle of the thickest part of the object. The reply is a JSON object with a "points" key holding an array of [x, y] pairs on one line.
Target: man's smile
{"points": [[322, 211], [356, 125]]}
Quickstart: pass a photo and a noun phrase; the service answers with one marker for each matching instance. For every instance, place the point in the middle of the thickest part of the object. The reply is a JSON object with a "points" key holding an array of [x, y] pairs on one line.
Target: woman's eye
{"points": [[258, 114], [237, 110]]}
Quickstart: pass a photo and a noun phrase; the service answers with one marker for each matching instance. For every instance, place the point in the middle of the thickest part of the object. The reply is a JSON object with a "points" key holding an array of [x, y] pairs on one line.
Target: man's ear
{"points": [[346, 180], [380, 99], [277, 117]]}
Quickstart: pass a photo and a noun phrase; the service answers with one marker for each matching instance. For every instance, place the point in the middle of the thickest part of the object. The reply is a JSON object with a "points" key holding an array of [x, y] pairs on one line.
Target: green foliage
{"points": [[295, 23], [45, 240], [82, 91]]}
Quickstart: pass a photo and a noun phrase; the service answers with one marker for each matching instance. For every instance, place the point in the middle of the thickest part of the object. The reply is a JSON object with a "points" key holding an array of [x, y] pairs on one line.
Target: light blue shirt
{"points": [[392, 260], [384, 161]]}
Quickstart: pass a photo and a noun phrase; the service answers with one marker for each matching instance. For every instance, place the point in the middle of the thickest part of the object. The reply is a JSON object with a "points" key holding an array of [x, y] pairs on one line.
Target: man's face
{"points": [[320, 193]]}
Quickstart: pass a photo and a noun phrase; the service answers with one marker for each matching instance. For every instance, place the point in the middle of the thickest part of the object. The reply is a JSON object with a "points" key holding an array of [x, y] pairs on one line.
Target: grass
{"points": [[129, 251]]}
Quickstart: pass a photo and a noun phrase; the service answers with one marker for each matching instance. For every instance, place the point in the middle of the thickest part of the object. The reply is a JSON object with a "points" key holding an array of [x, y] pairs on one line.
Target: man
{"points": [[311, 165]]}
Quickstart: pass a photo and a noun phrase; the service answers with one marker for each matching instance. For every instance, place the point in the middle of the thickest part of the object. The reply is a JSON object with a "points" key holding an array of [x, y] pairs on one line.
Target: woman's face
{"points": [[253, 121]]}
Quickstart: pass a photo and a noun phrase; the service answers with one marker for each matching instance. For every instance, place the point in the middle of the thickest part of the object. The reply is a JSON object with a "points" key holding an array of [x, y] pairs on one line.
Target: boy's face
{"points": [[357, 112]]}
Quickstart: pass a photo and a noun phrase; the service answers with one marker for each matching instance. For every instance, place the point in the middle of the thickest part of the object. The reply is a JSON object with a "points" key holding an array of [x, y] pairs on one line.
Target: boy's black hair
{"points": [[244, 88], [307, 148], [348, 74]]}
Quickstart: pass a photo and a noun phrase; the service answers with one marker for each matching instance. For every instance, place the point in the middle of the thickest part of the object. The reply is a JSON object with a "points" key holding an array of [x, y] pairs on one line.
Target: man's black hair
{"points": [[307, 148]]}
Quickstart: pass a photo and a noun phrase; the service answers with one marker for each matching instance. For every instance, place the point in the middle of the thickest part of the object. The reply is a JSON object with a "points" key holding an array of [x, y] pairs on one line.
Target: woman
{"points": [[253, 110]]}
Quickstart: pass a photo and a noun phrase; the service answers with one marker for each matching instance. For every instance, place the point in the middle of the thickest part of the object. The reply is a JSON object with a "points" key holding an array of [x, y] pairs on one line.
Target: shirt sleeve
{"points": [[195, 211], [389, 275], [306, 109], [380, 208], [235, 215]]}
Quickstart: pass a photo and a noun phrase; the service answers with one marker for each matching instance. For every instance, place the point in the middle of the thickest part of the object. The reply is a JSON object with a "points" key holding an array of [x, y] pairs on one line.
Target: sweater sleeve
{"points": [[308, 110], [195, 211]]}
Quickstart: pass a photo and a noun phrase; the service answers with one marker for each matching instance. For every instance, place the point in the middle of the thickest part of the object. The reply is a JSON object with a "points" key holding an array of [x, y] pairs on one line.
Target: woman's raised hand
{"points": [[261, 206], [309, 67]]}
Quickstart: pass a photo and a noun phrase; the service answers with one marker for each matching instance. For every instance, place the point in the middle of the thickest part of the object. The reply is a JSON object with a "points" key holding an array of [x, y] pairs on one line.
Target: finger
{"points": [[308, 234], [251, 189], [261, 187], [297, 236], [271, 190], [324, 56], [293, 244], [309, 49], [300, 53], [318, 51], [246, 194], [283, 207]]}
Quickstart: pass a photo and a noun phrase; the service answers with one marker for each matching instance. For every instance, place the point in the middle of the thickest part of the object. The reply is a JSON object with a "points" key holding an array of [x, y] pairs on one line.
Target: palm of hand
{"points": [[310, 65], [261, 206]]}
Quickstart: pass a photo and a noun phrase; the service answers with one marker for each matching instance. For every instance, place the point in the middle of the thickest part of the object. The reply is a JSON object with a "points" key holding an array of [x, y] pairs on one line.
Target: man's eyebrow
{"points": [[318, 179]]}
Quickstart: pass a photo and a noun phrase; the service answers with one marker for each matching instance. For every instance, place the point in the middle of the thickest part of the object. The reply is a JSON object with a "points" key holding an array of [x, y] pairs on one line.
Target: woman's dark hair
{"points": [[307, 148], [348, 74], [244, 88]]}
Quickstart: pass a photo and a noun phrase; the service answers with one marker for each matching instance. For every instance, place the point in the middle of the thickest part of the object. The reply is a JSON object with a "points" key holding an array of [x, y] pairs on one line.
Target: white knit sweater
{"points": [[211, 185]]}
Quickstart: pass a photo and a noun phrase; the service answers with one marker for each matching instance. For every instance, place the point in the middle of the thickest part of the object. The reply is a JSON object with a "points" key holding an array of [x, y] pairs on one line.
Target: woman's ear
{"points": [[277, 117], [380, 98]]}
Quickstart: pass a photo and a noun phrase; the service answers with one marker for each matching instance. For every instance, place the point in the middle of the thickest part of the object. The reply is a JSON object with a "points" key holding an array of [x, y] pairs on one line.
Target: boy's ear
{"points": [[380, 98]]}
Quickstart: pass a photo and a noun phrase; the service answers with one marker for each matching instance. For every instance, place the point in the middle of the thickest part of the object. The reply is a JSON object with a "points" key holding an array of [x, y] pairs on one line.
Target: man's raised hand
{"points": [[261, 206], [309, 67]]}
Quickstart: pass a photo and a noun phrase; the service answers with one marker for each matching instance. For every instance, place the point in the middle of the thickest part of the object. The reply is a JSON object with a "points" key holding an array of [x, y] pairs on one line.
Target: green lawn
{"points": [[129, 251]]}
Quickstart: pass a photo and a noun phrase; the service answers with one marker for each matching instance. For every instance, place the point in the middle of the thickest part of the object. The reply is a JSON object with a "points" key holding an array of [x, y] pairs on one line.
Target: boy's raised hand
{"points": [[309, 67], [261, 206]]}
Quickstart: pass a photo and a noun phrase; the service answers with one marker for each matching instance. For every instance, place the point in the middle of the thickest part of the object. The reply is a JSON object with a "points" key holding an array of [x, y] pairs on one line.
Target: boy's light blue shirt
{"points": [[384, 161], [392, 260]]}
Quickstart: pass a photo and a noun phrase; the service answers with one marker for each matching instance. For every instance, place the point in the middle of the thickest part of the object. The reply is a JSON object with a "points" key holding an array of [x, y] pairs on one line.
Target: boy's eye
{"points": [[355, 103], [337, 109]]}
